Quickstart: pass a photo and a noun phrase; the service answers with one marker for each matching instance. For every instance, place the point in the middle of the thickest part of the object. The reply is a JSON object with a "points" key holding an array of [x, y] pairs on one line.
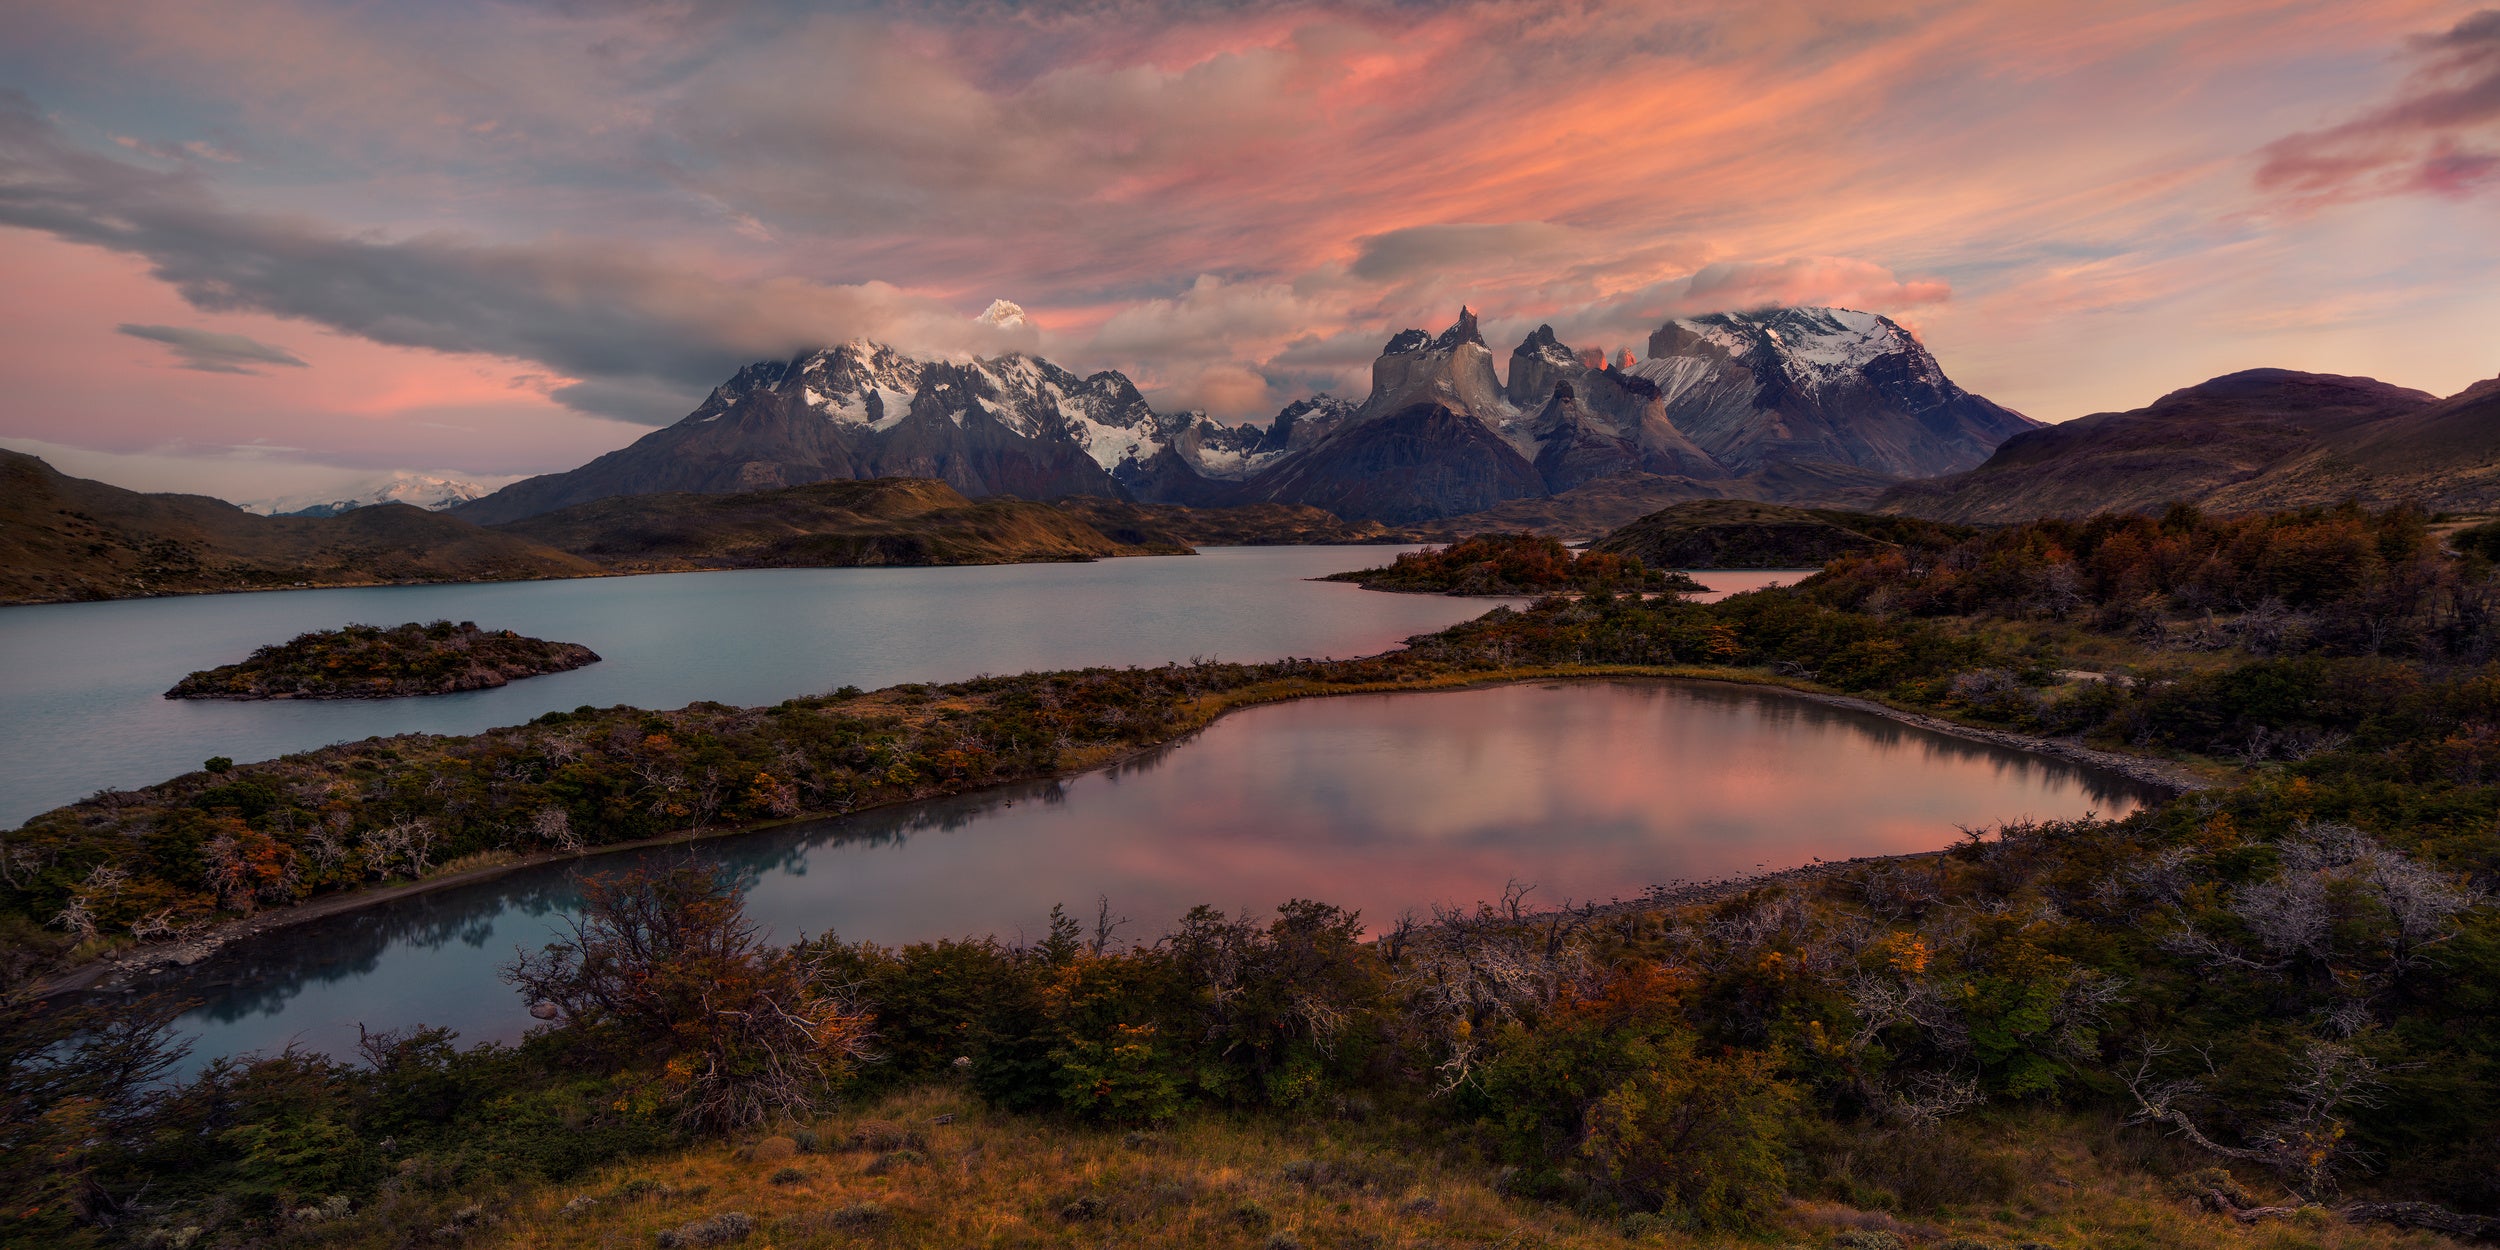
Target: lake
{"points": [[1386, 803], [81, 685]]}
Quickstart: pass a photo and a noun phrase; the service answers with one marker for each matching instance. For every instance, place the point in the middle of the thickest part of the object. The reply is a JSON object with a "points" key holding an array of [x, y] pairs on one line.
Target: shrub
{"points": [[715, 1230], [666, 959], [1702, 1141], [856, 1216]]}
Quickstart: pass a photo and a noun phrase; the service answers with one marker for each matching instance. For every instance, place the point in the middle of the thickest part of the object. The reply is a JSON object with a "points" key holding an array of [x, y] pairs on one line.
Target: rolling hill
{"points": [[881, 521], [64, 538], [2245, 442]]}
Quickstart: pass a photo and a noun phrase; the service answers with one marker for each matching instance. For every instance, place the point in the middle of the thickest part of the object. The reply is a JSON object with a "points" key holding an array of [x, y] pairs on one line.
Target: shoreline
{"points": [[571, 577], [115, 972]]}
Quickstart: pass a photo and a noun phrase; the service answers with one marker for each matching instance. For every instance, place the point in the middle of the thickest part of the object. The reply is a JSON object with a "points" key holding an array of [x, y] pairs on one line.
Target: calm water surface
{"points": [[1383, 803], [81, 685], [1725, 582]]}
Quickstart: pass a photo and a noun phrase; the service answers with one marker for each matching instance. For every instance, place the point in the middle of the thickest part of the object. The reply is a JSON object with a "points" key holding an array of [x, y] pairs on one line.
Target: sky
{"points": [[272, 247]]}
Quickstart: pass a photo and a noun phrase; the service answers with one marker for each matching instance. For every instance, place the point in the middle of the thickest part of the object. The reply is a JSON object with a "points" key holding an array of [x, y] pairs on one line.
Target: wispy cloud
{"points": [[2440, 134], [1238, 202], [210, 352], [632, 319]]}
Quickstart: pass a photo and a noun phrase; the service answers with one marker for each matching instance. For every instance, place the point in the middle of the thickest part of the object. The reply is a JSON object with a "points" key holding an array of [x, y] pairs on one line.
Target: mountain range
{"points": [[414, 489], [1798, 404]]}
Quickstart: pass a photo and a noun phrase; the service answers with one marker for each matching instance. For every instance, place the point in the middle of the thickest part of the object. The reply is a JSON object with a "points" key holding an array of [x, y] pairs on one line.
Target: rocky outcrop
{"points": [[1454, 370], [1536, 365]]}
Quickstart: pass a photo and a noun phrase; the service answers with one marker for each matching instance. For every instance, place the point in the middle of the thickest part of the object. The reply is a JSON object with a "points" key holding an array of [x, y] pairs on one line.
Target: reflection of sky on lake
{"points": [[82, 684], [1718, 584], [1384, 803]]}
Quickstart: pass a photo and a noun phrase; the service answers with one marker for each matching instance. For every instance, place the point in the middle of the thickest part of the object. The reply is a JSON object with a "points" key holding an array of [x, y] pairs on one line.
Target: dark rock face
{"points": [[1575, 445], [1461, 331], [1422, 461]]}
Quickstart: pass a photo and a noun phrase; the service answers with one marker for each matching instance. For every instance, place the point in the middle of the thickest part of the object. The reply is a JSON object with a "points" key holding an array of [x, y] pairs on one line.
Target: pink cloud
{"points": [[2439, 134], [1238, 203]]}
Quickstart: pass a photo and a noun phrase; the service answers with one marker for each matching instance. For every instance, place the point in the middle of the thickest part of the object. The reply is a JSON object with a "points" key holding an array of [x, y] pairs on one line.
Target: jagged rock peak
{"points": [[1541, 342], [1536, 364], [1411, 342]]}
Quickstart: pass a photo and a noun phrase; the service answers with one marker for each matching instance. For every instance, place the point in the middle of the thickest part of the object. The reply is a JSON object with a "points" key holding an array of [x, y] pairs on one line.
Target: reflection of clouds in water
{"points": [[1383, 803]]}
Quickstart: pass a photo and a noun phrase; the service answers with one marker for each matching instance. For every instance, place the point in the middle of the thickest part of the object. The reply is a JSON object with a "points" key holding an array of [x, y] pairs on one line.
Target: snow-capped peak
{"points": [[1811, 346], [1004, 314], [1826, 338], [415, 489]]}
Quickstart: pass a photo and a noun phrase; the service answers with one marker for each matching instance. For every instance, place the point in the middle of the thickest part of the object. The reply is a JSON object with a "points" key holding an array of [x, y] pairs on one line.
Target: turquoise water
{"points": [[1392, 803]]}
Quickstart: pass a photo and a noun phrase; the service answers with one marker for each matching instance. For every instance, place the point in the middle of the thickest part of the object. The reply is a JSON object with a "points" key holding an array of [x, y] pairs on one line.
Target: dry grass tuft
{"points": [[986, 1179]]}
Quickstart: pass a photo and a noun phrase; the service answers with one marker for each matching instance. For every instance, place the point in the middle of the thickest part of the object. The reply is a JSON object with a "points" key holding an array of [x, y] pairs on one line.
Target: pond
{"points": [[1386, 803]]}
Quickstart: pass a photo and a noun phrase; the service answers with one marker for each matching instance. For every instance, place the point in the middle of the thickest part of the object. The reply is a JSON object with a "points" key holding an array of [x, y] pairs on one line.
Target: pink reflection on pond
{"points": [[1390, 803], [1383, 803]]}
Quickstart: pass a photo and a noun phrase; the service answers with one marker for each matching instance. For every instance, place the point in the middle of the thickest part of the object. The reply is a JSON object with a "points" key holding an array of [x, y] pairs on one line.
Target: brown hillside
{"points": [[879, 521], [2247, 442], [66, 538], [1249, 525]]}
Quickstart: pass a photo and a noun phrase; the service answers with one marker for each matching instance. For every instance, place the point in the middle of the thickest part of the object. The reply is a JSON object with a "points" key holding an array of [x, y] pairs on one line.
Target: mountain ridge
{"points": [[1778, 403], [68, 539], [2252, 441]]}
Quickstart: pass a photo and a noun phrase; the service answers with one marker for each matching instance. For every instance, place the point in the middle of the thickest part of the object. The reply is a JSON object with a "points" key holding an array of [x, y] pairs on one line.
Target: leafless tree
{"points": [[402, 846], [1467, 973], [77, 919], [2305, 1141], [554, 826]]}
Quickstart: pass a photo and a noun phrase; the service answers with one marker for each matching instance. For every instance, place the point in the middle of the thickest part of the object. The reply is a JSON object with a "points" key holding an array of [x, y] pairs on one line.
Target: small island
{"points": [[370, 662], [1516, 564]]}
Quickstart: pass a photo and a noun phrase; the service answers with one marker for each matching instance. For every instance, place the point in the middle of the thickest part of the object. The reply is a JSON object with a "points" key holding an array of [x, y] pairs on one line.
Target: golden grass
{"points": [[892, 1175], [472, 861]]}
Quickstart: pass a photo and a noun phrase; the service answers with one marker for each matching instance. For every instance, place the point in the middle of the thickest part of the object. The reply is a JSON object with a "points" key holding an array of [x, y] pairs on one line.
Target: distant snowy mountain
{"points": [[1005, 425], [1771, 405], [1825, 384], [434, 494]]}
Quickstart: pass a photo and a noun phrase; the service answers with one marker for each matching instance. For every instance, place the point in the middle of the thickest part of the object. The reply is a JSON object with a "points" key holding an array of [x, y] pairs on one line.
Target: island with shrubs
{"points": [[370, 662], [1516, 564]]}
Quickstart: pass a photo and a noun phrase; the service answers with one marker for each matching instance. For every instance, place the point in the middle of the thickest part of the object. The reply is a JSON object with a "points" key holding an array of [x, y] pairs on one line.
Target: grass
{"points": [[473, 861], [934, 1168]]}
